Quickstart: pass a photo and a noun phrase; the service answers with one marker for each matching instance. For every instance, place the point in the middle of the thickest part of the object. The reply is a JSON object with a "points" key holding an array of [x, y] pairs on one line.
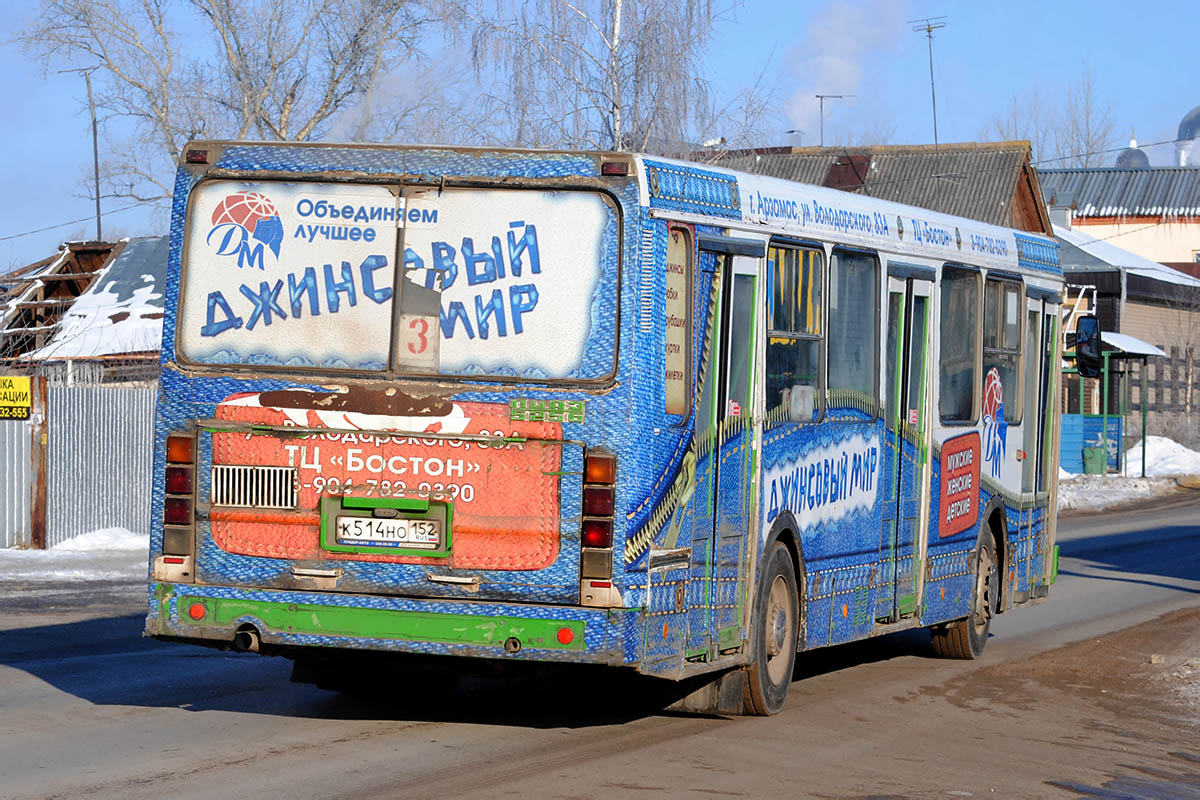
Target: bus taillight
{"points": [[596, 531], [179, 510]]}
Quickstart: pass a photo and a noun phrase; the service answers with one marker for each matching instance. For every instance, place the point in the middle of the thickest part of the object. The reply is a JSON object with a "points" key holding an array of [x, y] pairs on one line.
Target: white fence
{"points": [[100, 458], [16, 484], [98, 461]]}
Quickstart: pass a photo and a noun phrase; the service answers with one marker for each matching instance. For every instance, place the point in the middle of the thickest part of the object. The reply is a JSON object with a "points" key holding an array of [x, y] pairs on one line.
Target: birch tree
{"points": [[167, 71], [601, 74]]}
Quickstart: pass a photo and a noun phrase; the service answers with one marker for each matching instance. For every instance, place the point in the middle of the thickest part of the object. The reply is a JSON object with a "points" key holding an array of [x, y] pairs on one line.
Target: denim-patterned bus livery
{"points": [[591, 407]]}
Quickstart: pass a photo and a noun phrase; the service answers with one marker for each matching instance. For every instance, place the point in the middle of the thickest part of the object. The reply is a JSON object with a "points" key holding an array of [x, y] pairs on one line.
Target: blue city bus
{"points": [[452, 404]]}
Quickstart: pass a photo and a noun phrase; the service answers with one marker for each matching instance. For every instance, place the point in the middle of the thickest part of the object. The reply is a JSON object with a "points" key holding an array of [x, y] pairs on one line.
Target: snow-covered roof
{"points": [[1100, 253], [121, 312], [1130, 344]]}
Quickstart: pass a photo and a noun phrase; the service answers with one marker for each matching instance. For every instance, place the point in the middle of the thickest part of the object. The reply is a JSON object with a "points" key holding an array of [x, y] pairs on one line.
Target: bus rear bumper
{"points": [[212, 614]]}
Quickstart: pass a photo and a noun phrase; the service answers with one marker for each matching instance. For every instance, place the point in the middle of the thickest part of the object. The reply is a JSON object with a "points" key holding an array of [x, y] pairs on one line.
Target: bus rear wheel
{"points": [[773, 638], [966, 638]]}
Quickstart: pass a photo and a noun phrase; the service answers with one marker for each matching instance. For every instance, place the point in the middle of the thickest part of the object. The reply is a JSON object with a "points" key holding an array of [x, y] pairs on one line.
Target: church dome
{"points": [[1189, 126], [1133, 158]]}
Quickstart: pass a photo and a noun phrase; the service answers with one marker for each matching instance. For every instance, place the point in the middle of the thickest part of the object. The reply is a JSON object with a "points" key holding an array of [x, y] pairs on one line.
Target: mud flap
{"points": [[720, 694]]}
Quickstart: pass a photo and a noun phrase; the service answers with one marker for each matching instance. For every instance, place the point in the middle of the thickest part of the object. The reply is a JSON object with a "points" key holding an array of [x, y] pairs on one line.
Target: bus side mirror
{"points": [[1087, 347]]}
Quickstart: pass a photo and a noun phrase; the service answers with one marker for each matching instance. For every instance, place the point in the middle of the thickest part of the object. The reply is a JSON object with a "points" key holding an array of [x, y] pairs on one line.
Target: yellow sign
{"points": [[15, 397]]}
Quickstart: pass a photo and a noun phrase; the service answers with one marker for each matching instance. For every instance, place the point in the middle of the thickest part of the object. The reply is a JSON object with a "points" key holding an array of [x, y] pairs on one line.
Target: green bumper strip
{"points": [[1054, 567], [374, 623]]}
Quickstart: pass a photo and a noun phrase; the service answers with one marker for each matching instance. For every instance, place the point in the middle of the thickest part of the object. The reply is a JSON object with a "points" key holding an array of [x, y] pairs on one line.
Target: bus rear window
{"points": [[490, 282], [288, 275]]}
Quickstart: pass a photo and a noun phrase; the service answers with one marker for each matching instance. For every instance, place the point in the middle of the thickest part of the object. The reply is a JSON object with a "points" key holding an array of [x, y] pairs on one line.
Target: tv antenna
{"points": [[821, 99], [928, 25]]}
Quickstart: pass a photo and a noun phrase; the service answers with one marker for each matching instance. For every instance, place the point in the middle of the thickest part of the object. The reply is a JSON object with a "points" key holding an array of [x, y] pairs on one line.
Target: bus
{"points": [[460, 405]]}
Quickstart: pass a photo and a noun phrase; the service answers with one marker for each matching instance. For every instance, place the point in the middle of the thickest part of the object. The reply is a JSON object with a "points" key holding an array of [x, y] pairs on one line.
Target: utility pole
{"points": [[927, 26], [821, 99], [87, 76]]}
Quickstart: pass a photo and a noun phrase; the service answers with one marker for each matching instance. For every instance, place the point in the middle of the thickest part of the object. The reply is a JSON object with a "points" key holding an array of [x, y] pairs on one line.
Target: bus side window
{"points": [[1002, 342], [794, 331], [959, 345], [853, 329]]}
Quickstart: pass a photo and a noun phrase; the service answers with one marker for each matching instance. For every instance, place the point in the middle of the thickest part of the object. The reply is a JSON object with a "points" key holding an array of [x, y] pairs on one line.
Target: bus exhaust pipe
{"points": [[246, 640]]}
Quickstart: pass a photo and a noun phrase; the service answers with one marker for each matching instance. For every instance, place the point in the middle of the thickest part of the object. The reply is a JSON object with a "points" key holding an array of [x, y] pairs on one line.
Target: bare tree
{"points": [[260, 69], [1025, 118], [1085, 130], [870, 133], [1075, 130], [605, 74], [1180, 331]]}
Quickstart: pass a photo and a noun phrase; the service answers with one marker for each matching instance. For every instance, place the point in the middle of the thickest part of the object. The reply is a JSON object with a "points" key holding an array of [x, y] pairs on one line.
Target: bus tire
{"points": [[966, 638], [773, 636]]}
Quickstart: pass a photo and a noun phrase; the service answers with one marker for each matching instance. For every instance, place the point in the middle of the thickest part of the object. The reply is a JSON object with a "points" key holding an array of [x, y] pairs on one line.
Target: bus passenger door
{"points": [[908, 424], [735, 498]]}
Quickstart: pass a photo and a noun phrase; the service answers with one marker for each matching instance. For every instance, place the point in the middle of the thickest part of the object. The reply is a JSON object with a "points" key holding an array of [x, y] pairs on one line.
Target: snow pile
{"points": [[1096, 492], [1163, 457], [107, 539], [113, 554]]}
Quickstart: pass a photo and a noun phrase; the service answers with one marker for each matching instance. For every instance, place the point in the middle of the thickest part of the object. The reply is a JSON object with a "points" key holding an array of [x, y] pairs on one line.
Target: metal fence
{"points": [[100, 457], [15, 483]]}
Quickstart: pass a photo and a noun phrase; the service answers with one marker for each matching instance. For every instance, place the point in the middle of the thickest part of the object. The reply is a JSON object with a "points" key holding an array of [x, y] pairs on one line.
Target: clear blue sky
{"points": [[1141, 57]]}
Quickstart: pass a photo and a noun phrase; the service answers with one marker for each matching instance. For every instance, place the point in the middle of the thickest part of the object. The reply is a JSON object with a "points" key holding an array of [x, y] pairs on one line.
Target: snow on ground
{"points": [[113, 554], [1165, 460], [1096, 492], [1163, 457]]}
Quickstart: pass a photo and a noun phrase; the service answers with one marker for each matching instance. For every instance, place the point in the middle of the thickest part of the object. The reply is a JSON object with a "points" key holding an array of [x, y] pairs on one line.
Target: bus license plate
{"points": [[381, 532]]}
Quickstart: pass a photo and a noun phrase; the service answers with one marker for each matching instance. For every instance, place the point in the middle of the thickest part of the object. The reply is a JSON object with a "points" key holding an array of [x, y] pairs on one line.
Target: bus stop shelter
{"points": [[1085, 434]]}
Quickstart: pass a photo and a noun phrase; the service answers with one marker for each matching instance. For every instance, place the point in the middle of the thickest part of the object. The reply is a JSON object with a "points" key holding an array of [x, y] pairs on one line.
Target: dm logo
{"points": [[243, 224], [995, 428]]}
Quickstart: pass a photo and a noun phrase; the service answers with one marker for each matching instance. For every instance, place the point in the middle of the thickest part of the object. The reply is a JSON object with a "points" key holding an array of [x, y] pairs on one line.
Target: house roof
{"points": [[89, 300], [34, 298], [1120, 192], [989, 181], [120, 313]]}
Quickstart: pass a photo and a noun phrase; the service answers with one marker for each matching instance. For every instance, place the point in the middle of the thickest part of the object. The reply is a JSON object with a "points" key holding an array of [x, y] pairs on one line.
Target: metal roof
{"points": [[1081, 252], [1129, 344], [1120, 192], [977, 180]]}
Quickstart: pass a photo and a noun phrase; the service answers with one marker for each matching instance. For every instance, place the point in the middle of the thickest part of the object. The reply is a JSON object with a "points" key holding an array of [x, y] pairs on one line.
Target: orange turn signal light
{"points": [[599, 468], [181, 449]]}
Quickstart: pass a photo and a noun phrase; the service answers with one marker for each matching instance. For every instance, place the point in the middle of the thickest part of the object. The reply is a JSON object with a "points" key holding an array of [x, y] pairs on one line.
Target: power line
{"points": [[72, 222]]}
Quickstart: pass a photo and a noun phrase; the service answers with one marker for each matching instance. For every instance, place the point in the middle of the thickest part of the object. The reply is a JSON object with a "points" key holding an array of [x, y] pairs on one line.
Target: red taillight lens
{"points": [[179, 480], [599, 468], [614, 168], [196, 157], [181, 449], [598, 501], [596, 533], [177, 511]]}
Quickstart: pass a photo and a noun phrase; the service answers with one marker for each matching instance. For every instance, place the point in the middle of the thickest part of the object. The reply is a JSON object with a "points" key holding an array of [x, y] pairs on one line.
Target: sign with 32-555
{"points": [[15, 397]]}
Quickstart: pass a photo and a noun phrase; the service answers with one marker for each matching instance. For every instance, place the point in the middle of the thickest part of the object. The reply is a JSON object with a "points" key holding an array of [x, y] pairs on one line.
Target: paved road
{"points": [[89, 708]]}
